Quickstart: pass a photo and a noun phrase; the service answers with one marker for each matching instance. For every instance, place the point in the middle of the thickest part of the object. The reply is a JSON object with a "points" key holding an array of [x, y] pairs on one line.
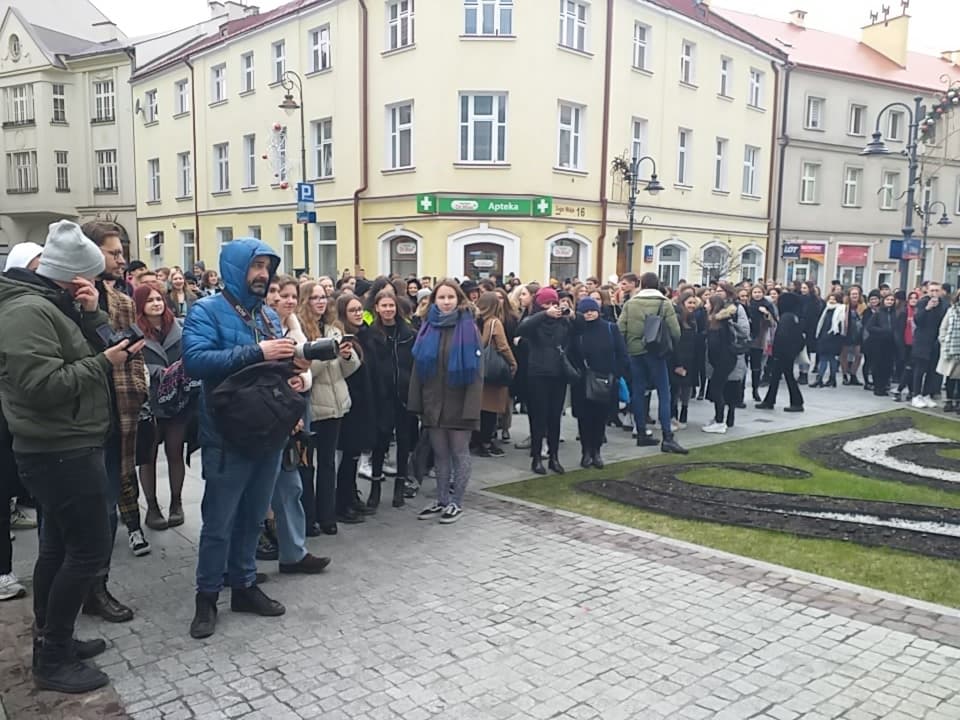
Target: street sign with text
{"points": [[305, 193], [463, 205]]}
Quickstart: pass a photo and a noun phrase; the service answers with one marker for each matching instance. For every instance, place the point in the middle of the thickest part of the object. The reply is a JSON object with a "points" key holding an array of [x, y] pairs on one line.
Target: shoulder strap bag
{"points": [[597, 387]]}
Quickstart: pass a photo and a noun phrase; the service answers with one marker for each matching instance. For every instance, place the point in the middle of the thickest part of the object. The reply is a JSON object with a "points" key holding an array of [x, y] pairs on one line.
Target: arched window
{"points": [[671, 264], [751, 265], [715, 264], [564, 259], [403, 256]]}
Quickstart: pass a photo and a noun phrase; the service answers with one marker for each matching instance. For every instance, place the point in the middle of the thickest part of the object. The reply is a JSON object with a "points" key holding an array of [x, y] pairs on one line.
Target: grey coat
{"points": [[441, 405]]}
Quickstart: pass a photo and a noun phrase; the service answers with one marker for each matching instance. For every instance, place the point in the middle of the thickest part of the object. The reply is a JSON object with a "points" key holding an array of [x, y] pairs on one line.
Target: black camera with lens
{"points": [[133, 333], [322, 349]]}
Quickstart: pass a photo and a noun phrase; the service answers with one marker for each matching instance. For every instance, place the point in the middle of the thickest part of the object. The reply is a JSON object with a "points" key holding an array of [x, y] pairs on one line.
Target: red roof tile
{"points": [[828, 51], [702, 13]]}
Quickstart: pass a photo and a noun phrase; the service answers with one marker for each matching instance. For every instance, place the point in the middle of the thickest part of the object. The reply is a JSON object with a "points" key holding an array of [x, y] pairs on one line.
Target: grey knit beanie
{"points": [[68, 253]]}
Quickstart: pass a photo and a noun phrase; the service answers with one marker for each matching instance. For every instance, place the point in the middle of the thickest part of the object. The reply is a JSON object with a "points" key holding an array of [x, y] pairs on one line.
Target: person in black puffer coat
{"points": [[683, 361], [788, 341], [810, 311], [879, 344], [546, 333]]}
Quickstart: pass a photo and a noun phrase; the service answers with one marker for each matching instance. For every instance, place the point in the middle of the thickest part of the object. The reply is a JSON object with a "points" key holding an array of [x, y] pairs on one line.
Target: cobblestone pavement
{"points": [[515, 612]]}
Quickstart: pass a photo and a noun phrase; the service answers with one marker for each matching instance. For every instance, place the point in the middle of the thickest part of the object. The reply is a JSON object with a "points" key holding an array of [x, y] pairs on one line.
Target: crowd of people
{"points": [[293, 388]]}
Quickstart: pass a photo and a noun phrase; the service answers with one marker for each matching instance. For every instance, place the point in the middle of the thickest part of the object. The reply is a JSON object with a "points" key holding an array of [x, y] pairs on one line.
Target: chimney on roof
{"points": [[104, 32], [217, 8], [798, 18], [951, 56], [236, 10], [888, 36]]}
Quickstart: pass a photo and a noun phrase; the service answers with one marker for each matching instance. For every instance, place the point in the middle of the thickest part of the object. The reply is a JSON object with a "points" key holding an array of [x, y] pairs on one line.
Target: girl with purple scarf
{"points": [[446, 389]]}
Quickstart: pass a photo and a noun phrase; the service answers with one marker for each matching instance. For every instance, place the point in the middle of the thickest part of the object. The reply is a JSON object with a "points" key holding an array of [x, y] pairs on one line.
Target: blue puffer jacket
{"points": [[216, 340]]}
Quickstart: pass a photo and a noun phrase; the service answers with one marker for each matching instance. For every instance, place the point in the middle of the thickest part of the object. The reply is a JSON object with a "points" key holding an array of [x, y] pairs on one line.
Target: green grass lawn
{"points": [[905, 573]]}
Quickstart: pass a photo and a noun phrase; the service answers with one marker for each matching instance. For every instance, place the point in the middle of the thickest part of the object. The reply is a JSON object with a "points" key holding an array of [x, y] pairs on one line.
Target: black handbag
{"points": [[598, 387], [496, 370]]}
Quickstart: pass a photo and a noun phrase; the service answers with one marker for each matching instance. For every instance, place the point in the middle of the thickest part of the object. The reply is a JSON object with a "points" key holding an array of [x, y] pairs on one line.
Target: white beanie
{"points": [[68, 253], [22, 254]]}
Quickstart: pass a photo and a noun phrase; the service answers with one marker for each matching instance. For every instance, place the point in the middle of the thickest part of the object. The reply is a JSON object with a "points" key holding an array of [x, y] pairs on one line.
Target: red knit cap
{"points": [[545, 296]]}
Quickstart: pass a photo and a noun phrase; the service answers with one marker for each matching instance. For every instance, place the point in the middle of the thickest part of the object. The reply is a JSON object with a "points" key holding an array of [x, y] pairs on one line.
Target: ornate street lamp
{"points": [[927, 210], [290, 80], [630, 172]]}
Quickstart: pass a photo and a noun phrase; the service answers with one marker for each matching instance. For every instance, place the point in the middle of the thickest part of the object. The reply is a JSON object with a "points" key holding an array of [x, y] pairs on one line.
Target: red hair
{"points": [[140, 297]]}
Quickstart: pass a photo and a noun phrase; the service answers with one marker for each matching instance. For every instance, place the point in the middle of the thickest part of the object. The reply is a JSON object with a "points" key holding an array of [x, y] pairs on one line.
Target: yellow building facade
{"points": [[466, 139]]}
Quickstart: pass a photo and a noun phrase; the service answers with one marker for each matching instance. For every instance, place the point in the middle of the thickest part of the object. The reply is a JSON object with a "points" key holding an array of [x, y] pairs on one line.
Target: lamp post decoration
{"points": [[629, 171], [276, 154], [947, 102], [926, 212]]}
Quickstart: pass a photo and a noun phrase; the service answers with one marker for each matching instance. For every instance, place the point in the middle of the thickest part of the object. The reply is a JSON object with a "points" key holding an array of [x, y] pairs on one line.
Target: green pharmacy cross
{"points": [[428, 204]]}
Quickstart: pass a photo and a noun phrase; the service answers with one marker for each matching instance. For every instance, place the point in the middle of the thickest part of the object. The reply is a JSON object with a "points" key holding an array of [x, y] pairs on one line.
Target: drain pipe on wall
{"points": [[605, 141], [364, 130], [196, 195], [784, 143]]}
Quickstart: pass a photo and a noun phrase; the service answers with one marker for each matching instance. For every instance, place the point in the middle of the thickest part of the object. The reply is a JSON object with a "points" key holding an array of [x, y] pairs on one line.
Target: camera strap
{"points": [[248, 319]]}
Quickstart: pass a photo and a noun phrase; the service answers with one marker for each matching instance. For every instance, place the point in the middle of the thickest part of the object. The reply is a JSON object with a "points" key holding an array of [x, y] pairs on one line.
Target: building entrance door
{"points": [[481, 260]]}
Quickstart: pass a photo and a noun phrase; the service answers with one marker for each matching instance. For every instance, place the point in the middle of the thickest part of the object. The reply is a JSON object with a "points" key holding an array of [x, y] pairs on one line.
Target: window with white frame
{"points": [[59, 103], [400, 136], [224, 235], [688, 61], [322, 132], [153, 180], [248, 76], [249, 161], [895, 124], [931, 191], [720, 165], [809, 176], [150, 108], [684, 141], [22, 171], [181, 94], [483, 127], [188, 241], [278, 53], [714, 264], [400, 24], [751, 164], [641, 45], [573, 24], [20, 106], [751, 265], [63, 170], [726, 76], [858, 120], [885, 277], [403, 251], [889, 190], [638, 138], [326, 235], [286, 248], [670, 265], [813, 116], [184, 175], [254, 232], [755, 89], [320, 58], [221, 167], [104, 100], [106, 163], [852, 180], [570, 136], [218, 83], [488, 17]]}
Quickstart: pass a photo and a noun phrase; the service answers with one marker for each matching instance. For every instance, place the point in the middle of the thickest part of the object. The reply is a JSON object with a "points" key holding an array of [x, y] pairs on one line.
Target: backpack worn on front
{"points": [[255, 409]]}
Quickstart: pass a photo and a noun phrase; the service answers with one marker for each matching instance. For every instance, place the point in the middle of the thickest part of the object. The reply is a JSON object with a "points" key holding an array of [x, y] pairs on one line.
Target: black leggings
{"points": [[327, 433], [591, 421], [488, 426], [730, 398], [545, 397]]}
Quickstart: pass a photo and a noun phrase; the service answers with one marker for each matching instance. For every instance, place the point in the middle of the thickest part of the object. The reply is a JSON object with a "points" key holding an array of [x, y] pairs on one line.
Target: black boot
{"points": [[803, 379], [83, 649], [398, 485], [586, 459], [537, 465], [253, 600], [554, 464], [58, 668], [205, 618], [683, 414], [755, 384], [597, 460], [373, 502], [101, 603], [669, 445]]}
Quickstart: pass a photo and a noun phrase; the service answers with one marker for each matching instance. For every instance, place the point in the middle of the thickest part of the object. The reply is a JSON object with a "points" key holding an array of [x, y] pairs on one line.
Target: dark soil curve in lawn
{"points": [[659, 489]]}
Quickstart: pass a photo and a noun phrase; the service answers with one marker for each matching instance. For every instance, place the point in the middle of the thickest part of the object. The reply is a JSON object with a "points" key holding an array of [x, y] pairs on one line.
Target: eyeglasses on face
{"points": [[115, 254]]}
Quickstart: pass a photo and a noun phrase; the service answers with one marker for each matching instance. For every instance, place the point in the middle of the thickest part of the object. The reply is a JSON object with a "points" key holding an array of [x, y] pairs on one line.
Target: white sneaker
{"points": [[451, 514], [675, 425], [389, 468], [365, 467], [918, 402], [931, 403], [715, 428], [10, 587], [431, 511], [138, 544], [21, 520]]}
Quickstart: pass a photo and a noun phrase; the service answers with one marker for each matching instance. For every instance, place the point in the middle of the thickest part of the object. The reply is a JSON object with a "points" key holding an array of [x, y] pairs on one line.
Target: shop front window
{"points": [[952, 274], [403, 256], [564, 259]]}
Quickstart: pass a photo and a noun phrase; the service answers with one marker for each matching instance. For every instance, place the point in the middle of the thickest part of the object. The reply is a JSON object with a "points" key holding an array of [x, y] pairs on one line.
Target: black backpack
{"points": [[657, 339], [255, 409]]}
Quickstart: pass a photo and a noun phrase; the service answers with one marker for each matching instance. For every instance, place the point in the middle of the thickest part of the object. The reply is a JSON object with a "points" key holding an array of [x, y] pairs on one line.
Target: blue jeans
{"points": [[650, 371], [236, 497], [823, 363], [290, 517]]}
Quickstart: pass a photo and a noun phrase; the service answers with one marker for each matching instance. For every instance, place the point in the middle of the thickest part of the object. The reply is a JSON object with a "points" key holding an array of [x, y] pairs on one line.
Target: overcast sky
{"points": [[933, 27]]}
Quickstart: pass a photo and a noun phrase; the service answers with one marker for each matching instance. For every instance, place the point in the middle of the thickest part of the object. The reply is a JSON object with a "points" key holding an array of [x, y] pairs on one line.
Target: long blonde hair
{"points": [[314, 324]]}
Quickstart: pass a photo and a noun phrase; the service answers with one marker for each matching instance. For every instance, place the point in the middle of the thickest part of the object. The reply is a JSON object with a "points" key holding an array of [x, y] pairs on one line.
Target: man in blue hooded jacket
{"points": [[218, 341]]}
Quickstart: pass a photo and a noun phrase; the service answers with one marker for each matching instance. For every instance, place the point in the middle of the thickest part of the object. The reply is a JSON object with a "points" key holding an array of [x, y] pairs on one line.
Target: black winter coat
{"points": [[544, 337], [600, 346], [926, 343], [879, 331], [392, 362]]}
